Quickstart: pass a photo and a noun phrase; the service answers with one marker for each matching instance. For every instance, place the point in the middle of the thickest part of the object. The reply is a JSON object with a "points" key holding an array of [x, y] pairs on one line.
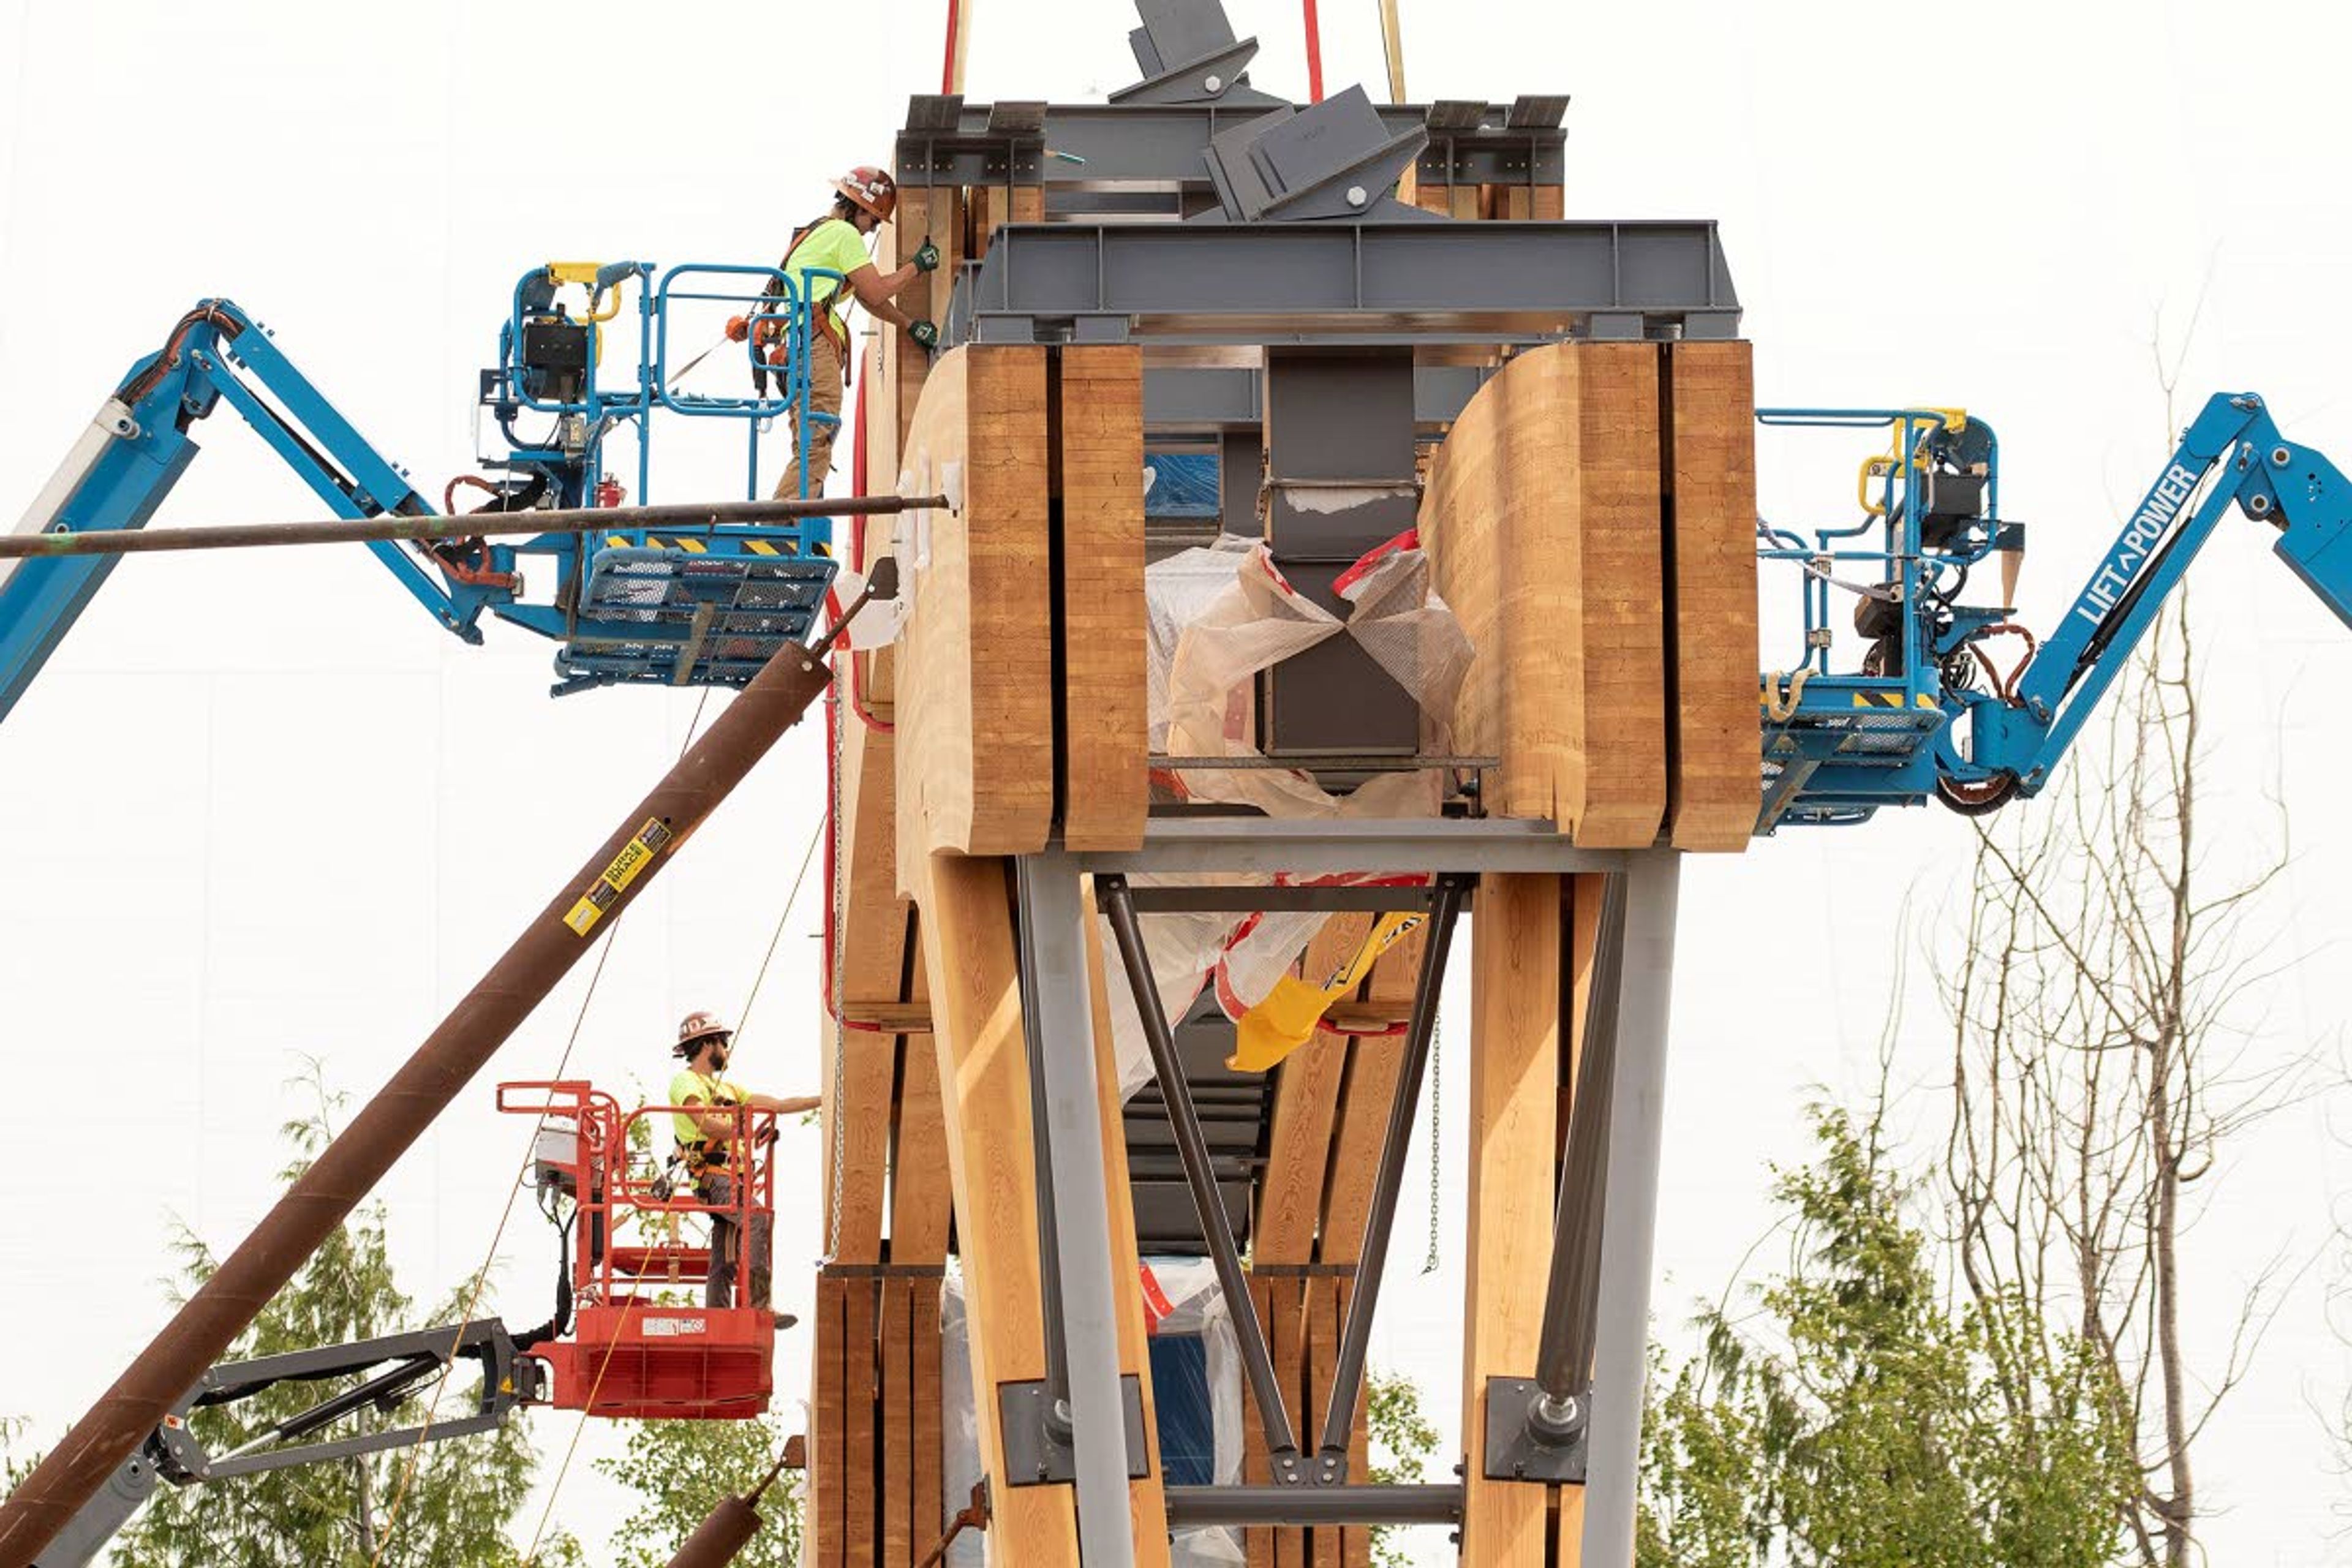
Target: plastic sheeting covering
{"points": [[1185, 1308], [1218, 616]]}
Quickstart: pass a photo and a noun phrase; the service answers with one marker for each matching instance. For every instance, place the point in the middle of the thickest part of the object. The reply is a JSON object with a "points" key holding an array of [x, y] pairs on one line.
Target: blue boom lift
{"points": [[1930, 711], [704, 607]]}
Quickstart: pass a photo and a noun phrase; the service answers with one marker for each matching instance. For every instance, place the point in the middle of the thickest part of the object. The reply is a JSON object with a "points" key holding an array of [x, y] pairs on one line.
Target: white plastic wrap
{"points": [[959, 1467], [1218, 616]]}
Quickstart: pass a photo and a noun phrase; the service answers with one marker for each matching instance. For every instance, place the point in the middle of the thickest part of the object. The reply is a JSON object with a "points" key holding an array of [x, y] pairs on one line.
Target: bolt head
{"points": [[1214, 83], [1357, 196]]}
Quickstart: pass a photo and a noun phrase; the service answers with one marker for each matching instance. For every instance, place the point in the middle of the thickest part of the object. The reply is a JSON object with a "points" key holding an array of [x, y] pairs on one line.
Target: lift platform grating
{"points": [[704, 612]]}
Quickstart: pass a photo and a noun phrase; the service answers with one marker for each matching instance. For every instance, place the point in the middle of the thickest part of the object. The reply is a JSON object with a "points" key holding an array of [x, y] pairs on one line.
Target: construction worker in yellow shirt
{"points": [[864, 200], [709, 1136]]}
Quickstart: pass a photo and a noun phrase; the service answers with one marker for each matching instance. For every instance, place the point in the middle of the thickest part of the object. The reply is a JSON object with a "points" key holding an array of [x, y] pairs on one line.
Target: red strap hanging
{"points": [[948, 82], [1314, 54]]}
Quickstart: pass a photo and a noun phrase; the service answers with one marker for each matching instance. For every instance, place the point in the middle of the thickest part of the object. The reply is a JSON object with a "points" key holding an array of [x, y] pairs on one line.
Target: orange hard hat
{"points": [[870, 188], [696, 1027]]}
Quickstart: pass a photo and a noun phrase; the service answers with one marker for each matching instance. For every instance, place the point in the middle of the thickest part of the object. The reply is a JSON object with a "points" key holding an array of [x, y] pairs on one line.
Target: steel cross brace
{"points": [[1289, 1467]]}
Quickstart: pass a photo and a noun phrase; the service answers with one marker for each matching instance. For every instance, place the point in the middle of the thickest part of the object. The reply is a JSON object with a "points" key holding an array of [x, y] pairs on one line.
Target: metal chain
{"points": [[1436, 1059]]}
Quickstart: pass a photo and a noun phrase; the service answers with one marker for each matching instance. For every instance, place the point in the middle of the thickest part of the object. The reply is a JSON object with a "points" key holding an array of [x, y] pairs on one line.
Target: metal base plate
{"points": [[1032, 1458], [1513, 1452]]}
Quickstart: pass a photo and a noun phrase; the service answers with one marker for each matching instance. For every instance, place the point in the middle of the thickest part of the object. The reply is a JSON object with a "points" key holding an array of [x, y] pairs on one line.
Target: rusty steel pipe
{"points": [[349, 1166], [434, 529], [720, 1537], [728, 1528]]}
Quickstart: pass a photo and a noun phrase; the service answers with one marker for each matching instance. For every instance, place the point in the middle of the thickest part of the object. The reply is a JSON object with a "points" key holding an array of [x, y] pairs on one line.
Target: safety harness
{"points": [[705, 1157], [827, 319]]}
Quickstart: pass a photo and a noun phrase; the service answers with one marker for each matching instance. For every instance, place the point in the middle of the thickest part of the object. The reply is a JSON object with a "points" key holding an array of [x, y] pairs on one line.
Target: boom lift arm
{"points": [[141, 441], [397, 1368], [2260, 473]]}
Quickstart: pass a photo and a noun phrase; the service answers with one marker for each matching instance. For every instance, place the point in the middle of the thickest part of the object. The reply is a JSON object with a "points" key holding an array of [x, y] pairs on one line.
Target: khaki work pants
{"points": [[727, 1249], [824, 398]]}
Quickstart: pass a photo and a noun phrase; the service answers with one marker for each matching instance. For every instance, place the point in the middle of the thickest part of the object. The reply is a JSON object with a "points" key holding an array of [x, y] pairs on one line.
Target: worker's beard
{"points": [[719, 1058]]}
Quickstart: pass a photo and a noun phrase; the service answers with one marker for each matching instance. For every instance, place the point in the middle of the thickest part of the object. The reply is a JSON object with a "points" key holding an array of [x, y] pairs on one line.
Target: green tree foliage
{"points": [[1401, 1442], [1855, 1420], [12, 1469], [456, 1506], [679, 1470]]}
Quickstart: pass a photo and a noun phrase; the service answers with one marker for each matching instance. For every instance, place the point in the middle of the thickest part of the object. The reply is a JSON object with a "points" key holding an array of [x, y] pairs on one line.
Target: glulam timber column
{"points": [[1520, 1058], [1018, 698]]}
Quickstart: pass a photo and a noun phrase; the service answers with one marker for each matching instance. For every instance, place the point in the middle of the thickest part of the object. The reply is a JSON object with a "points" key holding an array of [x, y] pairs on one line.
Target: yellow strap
{"points": [[1286, 1019]]}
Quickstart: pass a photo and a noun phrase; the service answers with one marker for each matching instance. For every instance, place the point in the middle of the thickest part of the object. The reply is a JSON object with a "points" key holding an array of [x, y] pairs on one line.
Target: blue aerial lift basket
{"points": [[696, 606]]}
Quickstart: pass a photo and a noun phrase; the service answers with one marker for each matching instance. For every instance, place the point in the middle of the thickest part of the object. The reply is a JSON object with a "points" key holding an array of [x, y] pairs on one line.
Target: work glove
{"points": [[738, 328], [928, 258], [925, 333]]}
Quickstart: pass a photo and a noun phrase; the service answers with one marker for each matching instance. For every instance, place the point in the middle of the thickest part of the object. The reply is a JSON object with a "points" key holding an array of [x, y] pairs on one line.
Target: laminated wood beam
{"points": [[1544, 515], [1373, 1063], [930, 1440], [869, 956], [1320, 1312], [1516, 1067], [966, 924], [1710, 479], [1355, 1542], [920, 1201], [861, 1477], [1286, 1342], [1306, 1110], [1105, 722], [896, 1425], [1258, 1543], [828, 1424], [975, 691]]}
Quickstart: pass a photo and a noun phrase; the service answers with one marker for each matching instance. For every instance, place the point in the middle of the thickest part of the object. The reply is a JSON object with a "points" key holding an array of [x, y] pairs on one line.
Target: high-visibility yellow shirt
{"points": [[715, 1092], [832, 246]]}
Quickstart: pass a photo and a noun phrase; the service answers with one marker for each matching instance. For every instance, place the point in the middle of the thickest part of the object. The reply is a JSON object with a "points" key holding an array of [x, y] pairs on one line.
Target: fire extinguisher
{"points": [[609, 491]]}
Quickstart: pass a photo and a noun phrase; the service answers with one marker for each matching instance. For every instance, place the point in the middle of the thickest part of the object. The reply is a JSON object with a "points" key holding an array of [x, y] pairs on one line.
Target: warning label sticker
{"points": [[605, 891]]}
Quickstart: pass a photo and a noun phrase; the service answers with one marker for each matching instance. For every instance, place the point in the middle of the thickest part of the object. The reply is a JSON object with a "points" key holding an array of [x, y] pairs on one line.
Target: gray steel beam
{"points": [[1564, 1344], [1350, 283], [1163, 144], [1200, 398], [1244, 898], [1036, 1041], [1190, 1508], [1629, 1208], [1407, 844], [1053, 934]]}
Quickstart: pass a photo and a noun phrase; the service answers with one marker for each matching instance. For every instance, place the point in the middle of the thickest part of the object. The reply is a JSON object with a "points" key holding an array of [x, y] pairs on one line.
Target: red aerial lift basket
{"points": [[641, 1343], [636, 1359]]}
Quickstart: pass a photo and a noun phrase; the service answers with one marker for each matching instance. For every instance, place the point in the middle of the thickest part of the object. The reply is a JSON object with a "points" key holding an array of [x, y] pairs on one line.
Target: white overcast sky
{"points": [[265, 808]]}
